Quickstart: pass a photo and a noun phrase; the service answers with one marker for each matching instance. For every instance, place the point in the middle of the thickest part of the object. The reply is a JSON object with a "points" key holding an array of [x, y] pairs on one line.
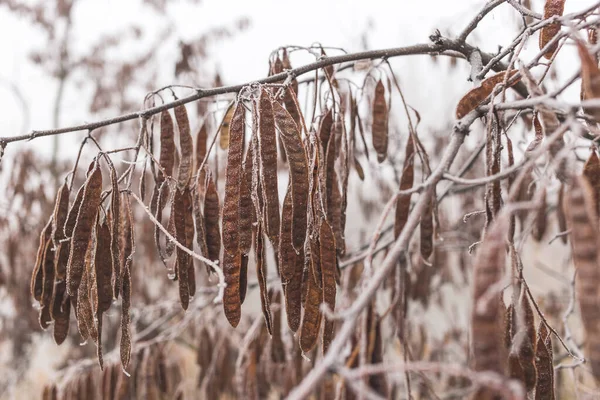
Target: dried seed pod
{"points": [[590, 78], [325, 129], [125, 345], [86, 218], [211, 218], [380, 122], [487, 333], [291, 265], [201, 139], [267, 144], [525, 340], [47, 285], [104, 268], [72, 214], [261, 275], [539, 229], [476, 96], [277, 347], [298, 162], [427, 230], [591, 171], [59, 216], [167, 146], [84, 313], [544, 389], [406, 183], [115, 225], [232, 256], [182, 205], [551, 8], [580, 211], [311, 321], [560, 213], [246, 207], [37, 275], [539, 134], [61, 310], [328, 270], [186, 144], [224, 129], [199, 224]]}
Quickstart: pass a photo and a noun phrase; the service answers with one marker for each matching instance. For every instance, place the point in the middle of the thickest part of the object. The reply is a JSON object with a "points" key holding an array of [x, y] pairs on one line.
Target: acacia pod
{"points": [[476, 96], [325, 129], [406, 183], [311, 320], [59, 216], [560, 213], [224, 129], [590, 78], [541, 223], [167, 146], [261, 275], [84, 313], [291, 265], [199, 224], [267, 144], [298, 163], [72, 214], [211, 218], [232, 256], [182, 207], [186, 144], [189, 239], [128, 245], [582, 220], [277, 347], [328, 270], [201, 139], [61, 311], [544, 389], [427, 230], [115, 225], [36, 286], [526, 340], [47, 285], [591, 171], [86, 218], [380, 122], [246, 207], [104, 268], [551, 8], [487, 319]]}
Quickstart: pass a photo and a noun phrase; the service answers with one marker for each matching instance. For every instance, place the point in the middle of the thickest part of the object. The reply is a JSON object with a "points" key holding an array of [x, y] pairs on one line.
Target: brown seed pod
{"points": [[427, 230], [59, 216], [86, 218], [47, 285], [186, 144], [544, 389], [406, 182], [182, 206], [115, 225], [487, 319], [311, 321], [525, 340], [476, 96], [232, 256], [72, 214], [380, 122], [267, 144], [298, 163], [325, 129], [84, 313], [560, 213], [328, 270], [539, 134], [201, 139], [291, 265], [199, 224], [591, 171], [189, 237], [103, 266], [211, 218], [224, 129], [261, 275], [277, 347], [167, 146], [246, 207], [128, 248], [590, 78], [61, 310], [36, 286], [580, 211], [551, 8], [539, 229]]}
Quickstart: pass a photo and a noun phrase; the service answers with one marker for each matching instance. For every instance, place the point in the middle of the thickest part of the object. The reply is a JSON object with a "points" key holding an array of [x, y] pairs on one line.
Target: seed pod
{"points": [[167, 146], [85, 315], [72, 214], [267, 144], [380, 122], [37, 275], [59, 216], [291, 265], [406, 182], [186, 144], [189, 237], [525, 340], [199, 224], [86, 218], [232, 256], [476, 96], [560, 213], [311, 321], [246, 207], [548, 32], [427, 230], [261, 275], [580, 211], [47, 285], [182, 206], [103, 266], [539, 229], [211, 218], [325, 129], [298, 162], [539, 134], [591, 171], [225, 126], [201, 139], [590, 78], [487, 333], [328, 270], [115, 224], [61, 310], [544, 389], [277, 347]]}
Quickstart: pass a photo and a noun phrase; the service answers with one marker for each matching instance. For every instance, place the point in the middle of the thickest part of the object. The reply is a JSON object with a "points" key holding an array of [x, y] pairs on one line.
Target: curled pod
{"points": [[476, 96]]}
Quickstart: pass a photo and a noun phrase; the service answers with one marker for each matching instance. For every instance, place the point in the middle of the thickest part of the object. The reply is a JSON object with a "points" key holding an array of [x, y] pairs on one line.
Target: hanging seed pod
{"points": [[86, 218], [277, 347], [560, 213], [328, 270], [476, 96], [72, 214], [167, 146], [211, 218], [544, 389], [590, 78], [232, 256], [103, 266], [47, 285], [267, 144], [36, 286], [261, 275], [311, 321], [128, 248], [182, 206], [186, 144], [201, 139], [59, 216], [406, 183], [61, 310], [246, 207], [115, 224], [380, 122], [84, 313], [591, 171], [298, 162], [189, 238], [225, 126], [325, 129], [199, 224], [539, 229], [525, 340], [427, 230], [548, 32]]}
